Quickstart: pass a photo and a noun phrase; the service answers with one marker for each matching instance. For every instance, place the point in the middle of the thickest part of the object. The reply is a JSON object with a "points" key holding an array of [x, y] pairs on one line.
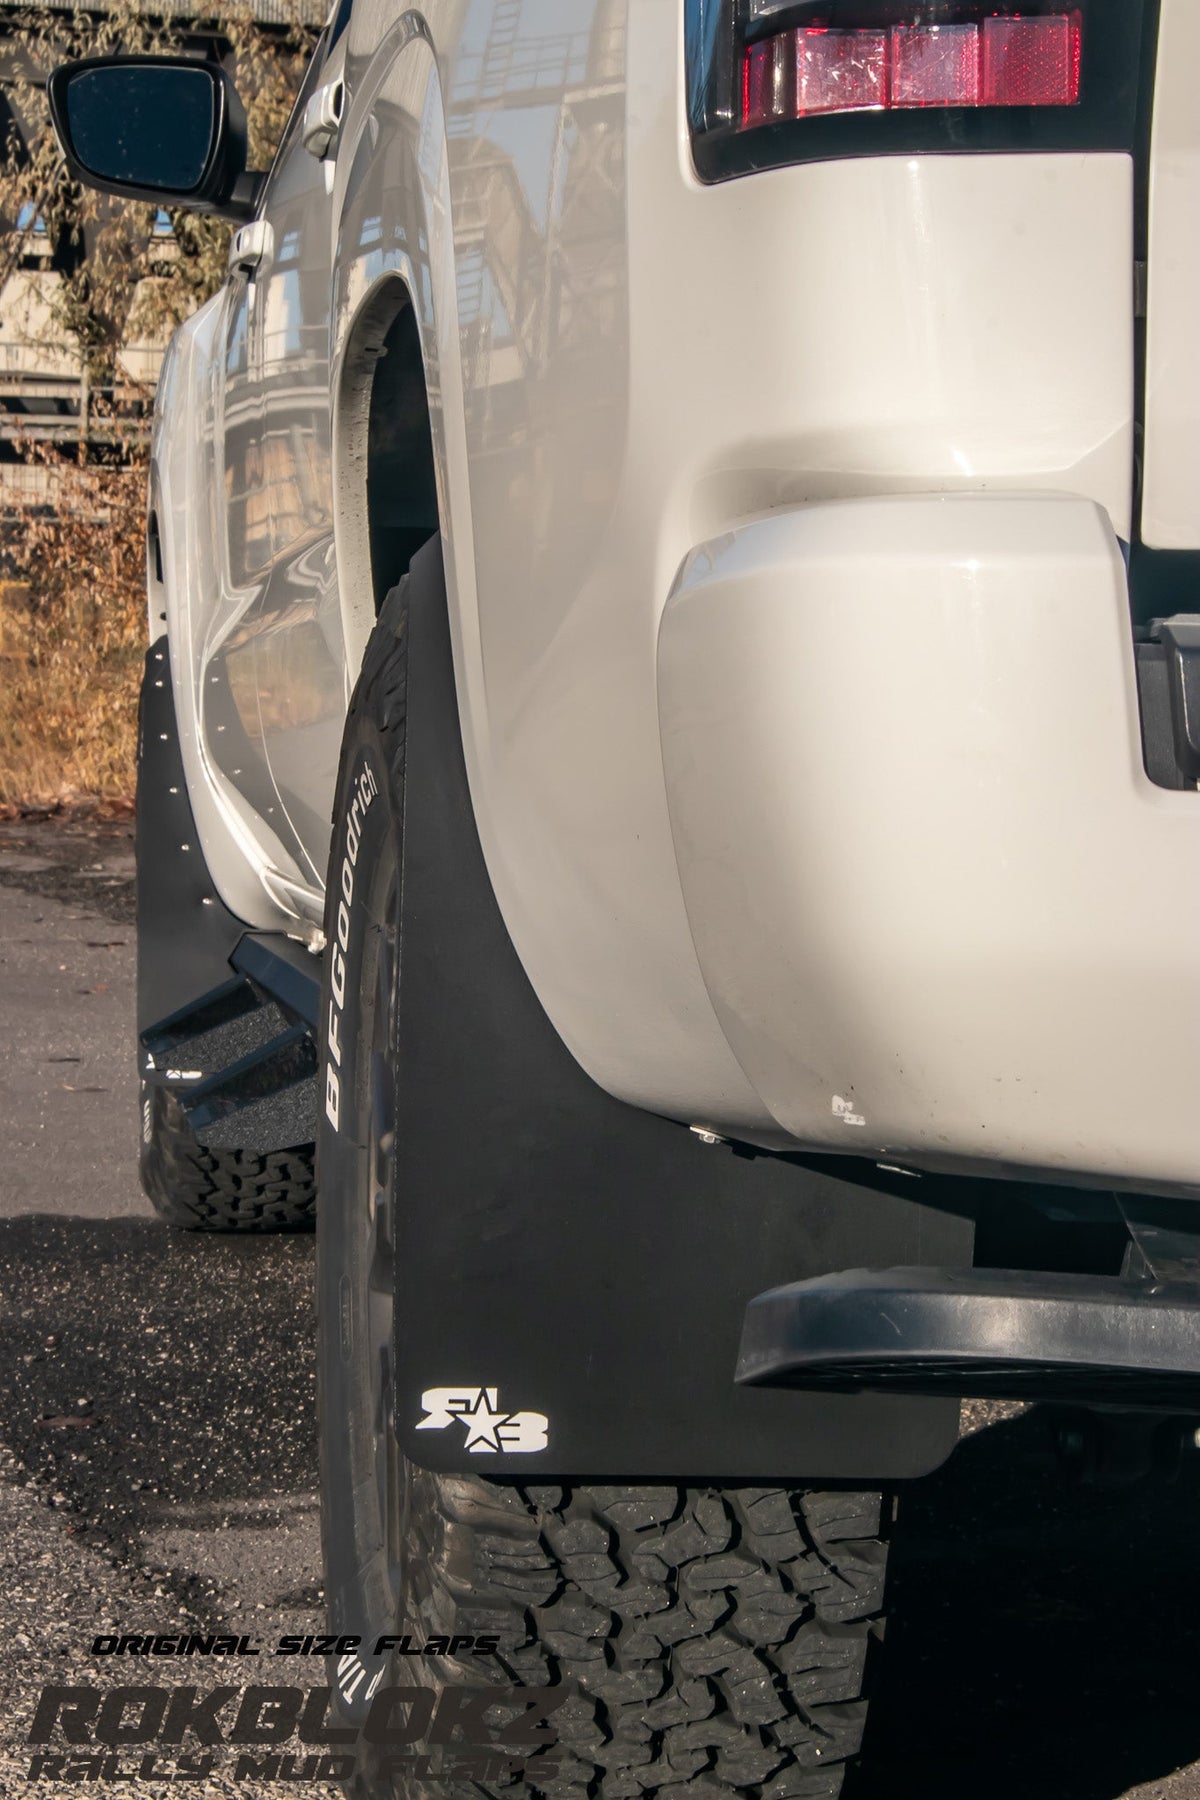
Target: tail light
{"points": [[1005, 60], [794, 80]]}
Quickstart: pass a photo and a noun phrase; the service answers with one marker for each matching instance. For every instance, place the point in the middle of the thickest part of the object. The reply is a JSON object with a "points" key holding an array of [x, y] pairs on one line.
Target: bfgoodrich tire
{"points": [[717, 1638], [196, 1189]]}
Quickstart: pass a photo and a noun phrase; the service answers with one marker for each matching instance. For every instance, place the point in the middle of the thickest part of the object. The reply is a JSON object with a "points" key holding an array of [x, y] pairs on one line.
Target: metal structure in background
{"points": [[44, 392], [580, 75]]}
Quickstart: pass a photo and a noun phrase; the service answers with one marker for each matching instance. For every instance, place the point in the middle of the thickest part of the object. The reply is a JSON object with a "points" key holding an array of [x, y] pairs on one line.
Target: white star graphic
{"points": [[483, 1425]]}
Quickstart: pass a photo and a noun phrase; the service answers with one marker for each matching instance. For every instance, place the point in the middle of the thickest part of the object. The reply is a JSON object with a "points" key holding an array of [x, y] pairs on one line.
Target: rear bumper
{"points": [[1001, 1333], [943, 914]]}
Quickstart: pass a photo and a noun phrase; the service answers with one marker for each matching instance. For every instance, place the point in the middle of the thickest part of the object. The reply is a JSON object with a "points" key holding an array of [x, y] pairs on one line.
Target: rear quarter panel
{"points": [[484, 165], [186, 506]]}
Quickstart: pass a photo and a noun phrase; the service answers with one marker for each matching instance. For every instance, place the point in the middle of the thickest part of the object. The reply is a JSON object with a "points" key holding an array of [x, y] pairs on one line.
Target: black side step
{"points": [[996, 1333], [284, 969], [243, 1058]]}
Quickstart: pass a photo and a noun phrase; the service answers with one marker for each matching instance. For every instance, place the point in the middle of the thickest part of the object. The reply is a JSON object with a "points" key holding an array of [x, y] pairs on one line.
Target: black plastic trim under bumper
{"points": [[1002, 1333]]}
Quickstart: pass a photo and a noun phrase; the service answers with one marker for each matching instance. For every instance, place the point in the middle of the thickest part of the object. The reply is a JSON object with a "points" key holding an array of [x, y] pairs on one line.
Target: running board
{"points": [[991, 1333], [242, 1059], [284, 969]]}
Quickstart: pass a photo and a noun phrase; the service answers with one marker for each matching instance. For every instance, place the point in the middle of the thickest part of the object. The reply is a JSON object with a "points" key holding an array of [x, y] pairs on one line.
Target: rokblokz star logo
{"points": [[489, 1428]]}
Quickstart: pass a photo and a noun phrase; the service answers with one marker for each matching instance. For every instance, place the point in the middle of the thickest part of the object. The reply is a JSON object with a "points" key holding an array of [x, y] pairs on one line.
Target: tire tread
{"points": [[710, 1658], [197, 1189], [719, 1639]]}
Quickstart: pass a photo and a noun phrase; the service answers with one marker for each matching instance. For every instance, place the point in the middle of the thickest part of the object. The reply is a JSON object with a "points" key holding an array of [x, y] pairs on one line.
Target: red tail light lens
{"points": [[935, 66], [764, 78], [840, 71], [1032, 62], [1005, 60]]}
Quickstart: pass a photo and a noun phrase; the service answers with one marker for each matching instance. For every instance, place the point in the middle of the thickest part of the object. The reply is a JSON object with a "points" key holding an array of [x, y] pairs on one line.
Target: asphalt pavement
{"points": [[157, 1419], [158, 1463]]}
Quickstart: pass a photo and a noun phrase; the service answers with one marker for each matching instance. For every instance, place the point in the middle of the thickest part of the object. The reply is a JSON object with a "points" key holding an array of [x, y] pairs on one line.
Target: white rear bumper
{"points": [[940, 909]]}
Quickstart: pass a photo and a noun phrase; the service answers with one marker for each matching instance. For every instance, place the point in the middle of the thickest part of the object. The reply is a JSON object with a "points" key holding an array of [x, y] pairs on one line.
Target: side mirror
{"points": [[164, 129]]}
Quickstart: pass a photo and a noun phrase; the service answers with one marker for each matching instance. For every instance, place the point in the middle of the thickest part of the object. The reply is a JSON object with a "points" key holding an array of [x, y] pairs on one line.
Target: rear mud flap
{"points": [[573, 1272]]}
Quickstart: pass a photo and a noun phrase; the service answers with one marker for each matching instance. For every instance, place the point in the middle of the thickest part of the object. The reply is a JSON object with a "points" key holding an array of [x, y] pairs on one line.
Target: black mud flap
{"points": [[226, 1016], [572, 1272]]}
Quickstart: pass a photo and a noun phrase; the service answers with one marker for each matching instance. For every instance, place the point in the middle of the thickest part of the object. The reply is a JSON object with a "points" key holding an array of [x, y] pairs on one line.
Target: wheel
{"points": [[197, 1189], [718, 1638]]}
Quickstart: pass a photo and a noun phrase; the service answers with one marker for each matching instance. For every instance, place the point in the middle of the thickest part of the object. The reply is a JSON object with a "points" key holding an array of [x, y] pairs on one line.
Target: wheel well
{"points": [[402, 508]]}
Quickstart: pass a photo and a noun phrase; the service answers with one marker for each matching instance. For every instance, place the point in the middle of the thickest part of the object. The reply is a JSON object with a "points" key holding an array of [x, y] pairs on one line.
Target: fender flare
{"points": [[394, 237]]}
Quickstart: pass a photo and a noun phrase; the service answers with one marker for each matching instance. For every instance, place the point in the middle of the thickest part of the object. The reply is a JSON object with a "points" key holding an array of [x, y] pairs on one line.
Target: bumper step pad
{"points": [[995, 1333]]}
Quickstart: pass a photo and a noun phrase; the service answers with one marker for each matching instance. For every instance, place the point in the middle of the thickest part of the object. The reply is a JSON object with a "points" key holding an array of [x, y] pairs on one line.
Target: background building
{"points": [[46, 398]]}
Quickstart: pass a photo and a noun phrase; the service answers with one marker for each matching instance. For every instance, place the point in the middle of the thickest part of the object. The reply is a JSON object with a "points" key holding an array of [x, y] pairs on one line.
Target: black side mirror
{"points": [[165, 129]]}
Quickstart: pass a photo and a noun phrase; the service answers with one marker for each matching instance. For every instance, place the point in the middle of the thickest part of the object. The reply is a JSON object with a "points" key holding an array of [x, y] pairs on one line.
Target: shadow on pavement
{"points": [[1045, 1641], [1046, 1638], [81, 861], [151, 1372]]}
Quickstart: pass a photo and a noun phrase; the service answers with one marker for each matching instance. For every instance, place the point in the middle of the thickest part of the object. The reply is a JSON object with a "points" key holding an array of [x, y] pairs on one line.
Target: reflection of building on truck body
{"points": [[45, 396]]}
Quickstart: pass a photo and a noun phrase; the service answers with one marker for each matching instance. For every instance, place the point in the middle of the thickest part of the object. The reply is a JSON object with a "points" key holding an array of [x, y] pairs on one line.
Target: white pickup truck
{"points": [[705, 496]]}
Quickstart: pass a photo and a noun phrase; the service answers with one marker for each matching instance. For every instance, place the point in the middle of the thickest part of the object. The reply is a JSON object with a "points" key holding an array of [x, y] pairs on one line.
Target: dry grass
{"points": [[72, 616], [73, 621]]}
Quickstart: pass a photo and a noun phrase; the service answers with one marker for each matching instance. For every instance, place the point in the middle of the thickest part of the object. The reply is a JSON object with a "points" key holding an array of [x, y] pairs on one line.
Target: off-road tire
{"points": [[718, 1639], [196, 1189]]}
